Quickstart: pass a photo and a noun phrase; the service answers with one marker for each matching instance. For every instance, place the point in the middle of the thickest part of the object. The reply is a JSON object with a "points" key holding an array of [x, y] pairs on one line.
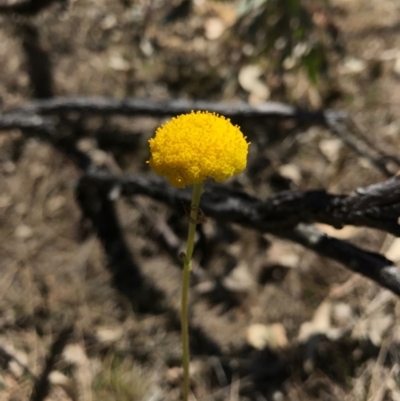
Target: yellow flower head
{"points": [[195, 146]]}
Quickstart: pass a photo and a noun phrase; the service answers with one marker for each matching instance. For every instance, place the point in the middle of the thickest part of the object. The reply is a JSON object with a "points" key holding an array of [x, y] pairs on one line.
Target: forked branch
{"points": [[288, 215]]}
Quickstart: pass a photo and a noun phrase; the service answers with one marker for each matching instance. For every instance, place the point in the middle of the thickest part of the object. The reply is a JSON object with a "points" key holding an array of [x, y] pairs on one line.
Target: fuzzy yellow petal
{"points": [[195, 146]]}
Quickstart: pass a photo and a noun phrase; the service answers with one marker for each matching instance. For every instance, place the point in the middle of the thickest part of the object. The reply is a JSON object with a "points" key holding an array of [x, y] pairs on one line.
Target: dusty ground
{"points": [[283, 323]]}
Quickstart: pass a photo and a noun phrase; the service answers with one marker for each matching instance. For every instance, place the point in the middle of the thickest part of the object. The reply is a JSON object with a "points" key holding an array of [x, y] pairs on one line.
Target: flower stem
{"points": [[187, 265]]}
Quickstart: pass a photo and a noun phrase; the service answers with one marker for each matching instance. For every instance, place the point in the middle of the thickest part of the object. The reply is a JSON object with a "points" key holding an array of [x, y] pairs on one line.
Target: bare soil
{"points": [[270, 320]]}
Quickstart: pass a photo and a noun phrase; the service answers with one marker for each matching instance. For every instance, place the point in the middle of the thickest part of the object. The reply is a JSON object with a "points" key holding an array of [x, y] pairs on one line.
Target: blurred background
{"points": [[270, 320]]}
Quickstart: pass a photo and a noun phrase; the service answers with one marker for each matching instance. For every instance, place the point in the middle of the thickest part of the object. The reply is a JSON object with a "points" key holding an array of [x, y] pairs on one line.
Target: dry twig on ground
{"points": [[286, 215]]}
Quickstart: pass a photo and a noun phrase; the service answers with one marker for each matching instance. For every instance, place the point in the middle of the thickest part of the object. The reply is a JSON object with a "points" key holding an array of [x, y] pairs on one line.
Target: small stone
{"points": [[272, 336], [109, 22], [320, 324], [23, 232], [68, 385], [239, 280], [109, 335], [343, 314], [99, 157], [205, 287], [75, 354], [19, 358], [393, 253], [118, 63], [396, 67], [146, 47], [291, 172], [174, 375], [346, 232], [278, 396], [87, 144], [353, 65], [331, 148], [284, 254], [214, 28], [249, 80]]}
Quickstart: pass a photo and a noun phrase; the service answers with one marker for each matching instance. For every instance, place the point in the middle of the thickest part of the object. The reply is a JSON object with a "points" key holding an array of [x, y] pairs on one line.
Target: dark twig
{"points": [[31, 122], [28, 7], [6, 357], [369, 264], [19, 118], [132, 107], [38, 62], [284, 215], [335, 121], [377, 206], [42, 386]]}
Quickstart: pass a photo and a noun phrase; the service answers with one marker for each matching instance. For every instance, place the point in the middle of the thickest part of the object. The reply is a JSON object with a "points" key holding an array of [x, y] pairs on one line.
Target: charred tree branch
{"points": [[369, 264], [27, 8], [132, 107], [377, 206], [335, 121], [285, 217], [29, 122]]}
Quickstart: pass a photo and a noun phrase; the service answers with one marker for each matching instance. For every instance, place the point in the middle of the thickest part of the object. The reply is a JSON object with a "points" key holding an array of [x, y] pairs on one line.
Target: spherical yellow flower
{"points": [[195, 146]]}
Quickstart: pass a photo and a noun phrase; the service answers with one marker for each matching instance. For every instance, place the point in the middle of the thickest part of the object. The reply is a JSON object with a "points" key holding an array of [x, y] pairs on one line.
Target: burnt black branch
{"points": [[30, 122], [42, 386], [369, 264], [336, 121], [38, 61], [28, 7], [133, 106], [377, 206], [286, 215]]}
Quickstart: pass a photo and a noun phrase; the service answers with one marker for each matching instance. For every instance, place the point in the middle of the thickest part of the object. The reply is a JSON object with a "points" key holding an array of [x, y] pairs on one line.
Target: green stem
{"points": [[187, 265]]}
